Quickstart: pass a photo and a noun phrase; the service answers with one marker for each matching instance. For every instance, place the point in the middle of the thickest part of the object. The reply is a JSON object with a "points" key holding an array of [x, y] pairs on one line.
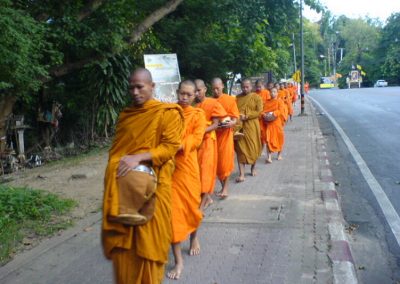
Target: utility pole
{"points": [[294, 54], [302, 58]]}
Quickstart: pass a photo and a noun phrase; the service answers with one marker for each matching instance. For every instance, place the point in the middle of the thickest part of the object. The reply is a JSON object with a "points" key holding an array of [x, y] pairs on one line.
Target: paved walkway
{"points": [[273, 228]]}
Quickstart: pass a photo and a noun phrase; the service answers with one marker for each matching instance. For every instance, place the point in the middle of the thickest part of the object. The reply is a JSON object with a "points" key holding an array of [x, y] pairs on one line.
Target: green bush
{"points": [[28, 212]]}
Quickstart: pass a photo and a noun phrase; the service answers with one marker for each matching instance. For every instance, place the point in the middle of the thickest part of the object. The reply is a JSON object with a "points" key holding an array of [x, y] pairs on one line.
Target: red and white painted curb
{"points": [[340, 253]]}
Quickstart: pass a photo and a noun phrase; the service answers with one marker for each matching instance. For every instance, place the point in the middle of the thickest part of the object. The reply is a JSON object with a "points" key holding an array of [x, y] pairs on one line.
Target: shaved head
{"points": [[246, 86], [274, 93], [259, 85], [187, 83], [141, 86], [143, 73], [200, 83], [217, 80], [201, 90], [246, 80], [217, 87], [186, 93]]}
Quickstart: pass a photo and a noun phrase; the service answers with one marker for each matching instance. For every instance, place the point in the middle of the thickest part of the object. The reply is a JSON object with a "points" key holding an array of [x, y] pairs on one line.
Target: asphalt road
{"points": [[370, 117]]}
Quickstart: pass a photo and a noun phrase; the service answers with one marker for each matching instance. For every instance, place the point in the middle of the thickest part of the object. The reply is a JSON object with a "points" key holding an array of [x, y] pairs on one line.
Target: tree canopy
{"points": [[80, 52]]}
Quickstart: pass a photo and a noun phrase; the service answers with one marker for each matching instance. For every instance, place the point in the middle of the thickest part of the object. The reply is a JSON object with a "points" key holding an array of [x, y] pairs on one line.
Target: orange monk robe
{"points": [[248, 148], [226, 152], [208, 151], [186, 185], [265, 96], [274, 129], [139, 253], [282, 97], [295, 96], [306, 87], [288, 101]]}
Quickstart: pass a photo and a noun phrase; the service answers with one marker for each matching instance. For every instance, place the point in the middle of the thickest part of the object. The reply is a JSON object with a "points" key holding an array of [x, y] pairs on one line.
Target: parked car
{"points": [[381, 83]]}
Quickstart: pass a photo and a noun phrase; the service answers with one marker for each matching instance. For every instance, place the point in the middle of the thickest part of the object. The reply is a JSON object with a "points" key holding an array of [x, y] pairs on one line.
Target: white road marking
{"points": [[386, 206]]}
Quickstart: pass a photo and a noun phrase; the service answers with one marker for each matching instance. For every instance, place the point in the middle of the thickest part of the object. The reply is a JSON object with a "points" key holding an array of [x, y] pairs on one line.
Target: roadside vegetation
{"points": [[79, 53], [27, 214]]}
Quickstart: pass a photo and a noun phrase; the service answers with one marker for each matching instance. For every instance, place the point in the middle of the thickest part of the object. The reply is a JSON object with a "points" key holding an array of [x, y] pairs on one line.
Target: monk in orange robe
{"points": [[282, 97], [208, 151], [186, 186], [293, 89], [274, 129], [265, 96], [225, 145], [248, 148], [147, 132], [288, 100]]}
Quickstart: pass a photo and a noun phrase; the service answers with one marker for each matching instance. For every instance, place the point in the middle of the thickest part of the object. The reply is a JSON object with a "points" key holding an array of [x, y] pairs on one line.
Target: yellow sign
{"points": [[297, 76], [326, 86]]}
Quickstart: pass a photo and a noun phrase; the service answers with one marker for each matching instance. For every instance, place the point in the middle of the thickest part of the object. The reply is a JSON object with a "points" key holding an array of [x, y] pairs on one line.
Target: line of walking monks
{"points": [[189, 145]]}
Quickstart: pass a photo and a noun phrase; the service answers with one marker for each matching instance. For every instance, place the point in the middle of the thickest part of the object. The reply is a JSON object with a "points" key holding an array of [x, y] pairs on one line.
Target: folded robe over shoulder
{"points": [[186, 186], [208, 151], [226, 152], [157, 128]]}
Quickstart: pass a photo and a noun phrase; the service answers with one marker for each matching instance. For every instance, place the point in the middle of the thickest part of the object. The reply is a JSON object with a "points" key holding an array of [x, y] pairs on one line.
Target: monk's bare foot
{"points": [[240, 179], [194, 246], [176, 272], [253, 171], [268, 161], [279, 158], [222, 194], [208, 202]]}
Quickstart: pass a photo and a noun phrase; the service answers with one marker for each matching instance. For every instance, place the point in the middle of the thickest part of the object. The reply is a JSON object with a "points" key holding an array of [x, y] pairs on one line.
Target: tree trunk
{"points": [[135, 36], [233, 82], [6, 106]]}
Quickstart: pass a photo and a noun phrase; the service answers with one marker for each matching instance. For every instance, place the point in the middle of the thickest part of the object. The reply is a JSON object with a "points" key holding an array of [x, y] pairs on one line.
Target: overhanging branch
{"points": [[136, 34]]}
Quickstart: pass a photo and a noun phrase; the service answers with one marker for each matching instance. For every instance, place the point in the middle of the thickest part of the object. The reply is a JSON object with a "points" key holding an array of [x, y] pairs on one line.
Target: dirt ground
{"points": [[78, 178]]}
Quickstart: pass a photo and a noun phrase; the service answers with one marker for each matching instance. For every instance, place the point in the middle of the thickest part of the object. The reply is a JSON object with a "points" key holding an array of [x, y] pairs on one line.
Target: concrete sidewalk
{"points": [[273, 228]]}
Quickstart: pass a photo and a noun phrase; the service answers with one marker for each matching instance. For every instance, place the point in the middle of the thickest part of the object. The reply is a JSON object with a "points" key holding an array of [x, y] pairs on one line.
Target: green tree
{"points": [[389, 51], [360, 38], [45, 42]]}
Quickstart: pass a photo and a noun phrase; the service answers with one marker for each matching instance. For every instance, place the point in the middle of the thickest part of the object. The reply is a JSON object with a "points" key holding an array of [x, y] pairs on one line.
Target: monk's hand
{"points": [[231, 124], [243, 117], [127, 163]]}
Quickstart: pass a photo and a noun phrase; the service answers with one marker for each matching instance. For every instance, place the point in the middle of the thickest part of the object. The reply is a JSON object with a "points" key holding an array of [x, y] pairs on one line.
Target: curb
{"points": [[343, 266]]}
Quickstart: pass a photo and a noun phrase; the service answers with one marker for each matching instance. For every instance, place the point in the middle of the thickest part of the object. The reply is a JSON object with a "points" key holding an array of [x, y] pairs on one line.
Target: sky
{"points": [[357, 8]]}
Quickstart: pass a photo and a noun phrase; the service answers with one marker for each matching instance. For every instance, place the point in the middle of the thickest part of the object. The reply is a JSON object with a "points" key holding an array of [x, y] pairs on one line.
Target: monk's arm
{"points": [[214, 125], [194, 139], [257, 110], [171, 138]]}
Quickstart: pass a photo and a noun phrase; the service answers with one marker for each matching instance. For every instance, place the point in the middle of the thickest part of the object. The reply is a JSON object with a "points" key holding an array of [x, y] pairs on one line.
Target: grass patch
{"points": [[29, 213]]}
